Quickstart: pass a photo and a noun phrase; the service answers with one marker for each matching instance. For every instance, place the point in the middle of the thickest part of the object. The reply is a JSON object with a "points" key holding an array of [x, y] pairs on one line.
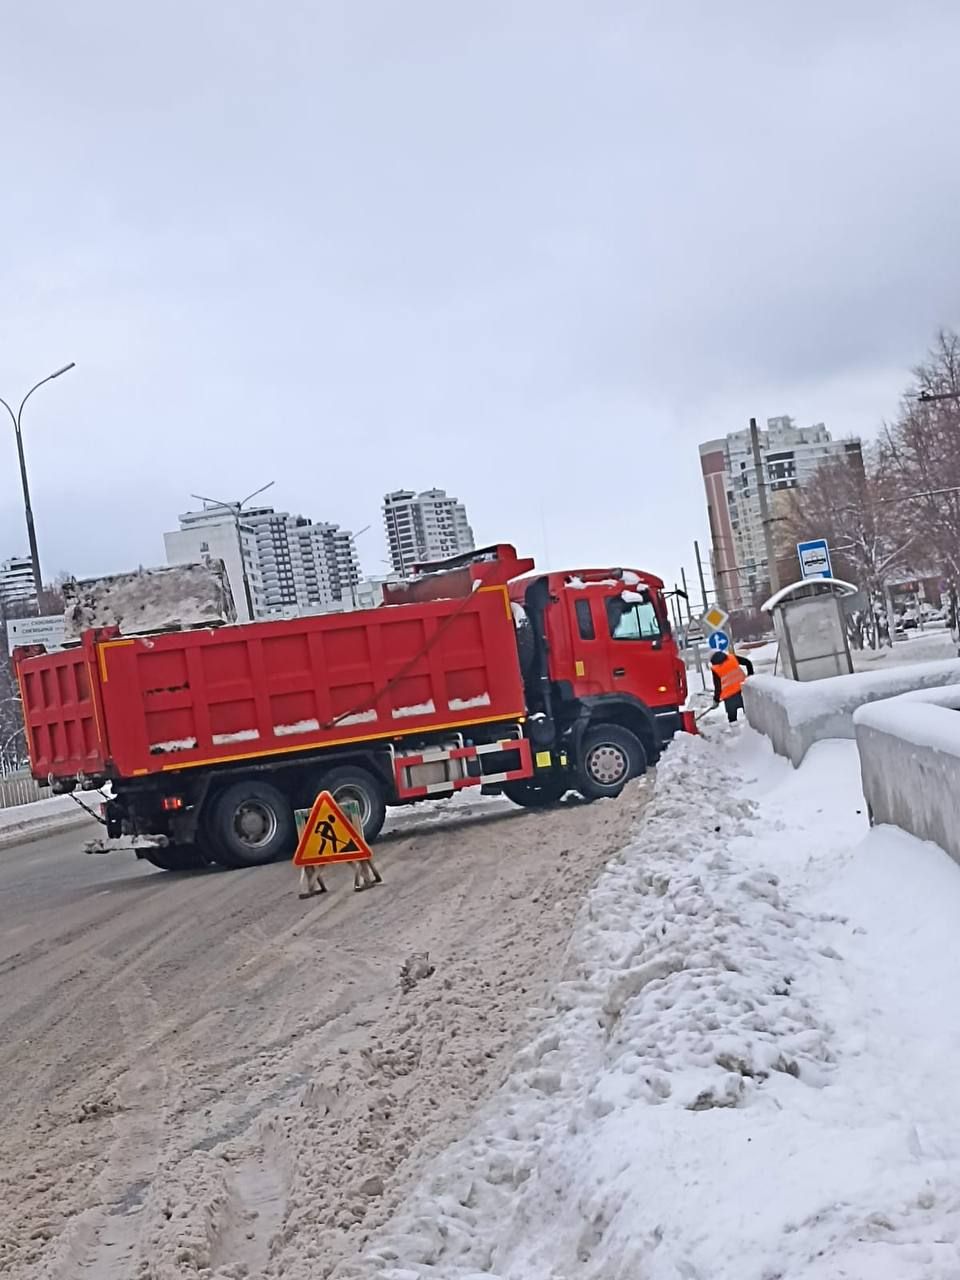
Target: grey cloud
{"points": [[531, 252]]}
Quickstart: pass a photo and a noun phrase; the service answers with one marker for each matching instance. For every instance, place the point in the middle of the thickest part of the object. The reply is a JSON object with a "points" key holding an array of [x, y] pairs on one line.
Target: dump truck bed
{"points": [[126, 706]]}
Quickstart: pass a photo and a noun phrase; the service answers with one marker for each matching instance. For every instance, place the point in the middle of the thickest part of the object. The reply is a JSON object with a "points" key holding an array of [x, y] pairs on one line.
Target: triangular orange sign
{"points": [[329, 836]]}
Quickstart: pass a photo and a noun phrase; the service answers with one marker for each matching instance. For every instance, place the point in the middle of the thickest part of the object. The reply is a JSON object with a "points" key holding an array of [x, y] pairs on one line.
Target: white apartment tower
{"points": [[424, 526], [293, 565], [790, 455], [16, 586]]}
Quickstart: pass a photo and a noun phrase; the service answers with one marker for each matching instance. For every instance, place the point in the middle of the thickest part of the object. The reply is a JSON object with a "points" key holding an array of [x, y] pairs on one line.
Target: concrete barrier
{"points": [[794, 716], [910, 764]]}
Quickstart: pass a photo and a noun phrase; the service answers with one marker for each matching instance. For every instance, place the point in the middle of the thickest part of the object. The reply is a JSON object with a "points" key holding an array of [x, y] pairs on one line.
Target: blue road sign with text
{"points": [[814, 559], [718, 640]]}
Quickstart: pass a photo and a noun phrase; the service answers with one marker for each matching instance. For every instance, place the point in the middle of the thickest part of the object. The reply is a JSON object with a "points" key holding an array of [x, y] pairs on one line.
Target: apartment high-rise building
{"points": [[17, 592], [789, 455], [424, 526], [293, 565]]}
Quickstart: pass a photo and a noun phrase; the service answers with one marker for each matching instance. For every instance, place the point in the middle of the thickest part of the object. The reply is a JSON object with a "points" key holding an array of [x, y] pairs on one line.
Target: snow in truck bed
{"points": [[164, 599]]}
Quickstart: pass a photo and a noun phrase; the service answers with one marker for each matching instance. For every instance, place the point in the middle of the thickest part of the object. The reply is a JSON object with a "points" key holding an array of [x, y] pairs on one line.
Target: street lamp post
{"points": [[27, 505], [235, 509]]}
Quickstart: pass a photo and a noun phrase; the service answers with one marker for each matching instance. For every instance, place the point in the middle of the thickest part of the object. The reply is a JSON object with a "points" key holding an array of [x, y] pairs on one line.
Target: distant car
{"points": [[909, 622]]}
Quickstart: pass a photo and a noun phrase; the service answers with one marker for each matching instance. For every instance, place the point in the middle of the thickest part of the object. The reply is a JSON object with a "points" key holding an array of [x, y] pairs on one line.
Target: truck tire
{"points": [[609, 757], [175, 857], [532, 794], [353, 783], [252, 824]]}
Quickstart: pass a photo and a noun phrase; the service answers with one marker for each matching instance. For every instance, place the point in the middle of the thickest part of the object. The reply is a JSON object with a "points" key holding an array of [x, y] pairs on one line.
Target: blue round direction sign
{"points": [[719, 640]]}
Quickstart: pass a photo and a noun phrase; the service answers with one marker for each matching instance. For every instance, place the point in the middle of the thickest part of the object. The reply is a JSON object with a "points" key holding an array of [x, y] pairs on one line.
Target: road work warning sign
{"points": [[329, 837]]}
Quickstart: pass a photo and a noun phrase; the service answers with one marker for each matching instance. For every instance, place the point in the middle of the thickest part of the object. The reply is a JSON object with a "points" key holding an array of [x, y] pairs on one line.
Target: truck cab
{"points": [[600, 653]]}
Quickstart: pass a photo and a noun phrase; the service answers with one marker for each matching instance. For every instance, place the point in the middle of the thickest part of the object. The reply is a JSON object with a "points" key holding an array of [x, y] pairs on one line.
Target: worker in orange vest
{"points": [[729, 674]]}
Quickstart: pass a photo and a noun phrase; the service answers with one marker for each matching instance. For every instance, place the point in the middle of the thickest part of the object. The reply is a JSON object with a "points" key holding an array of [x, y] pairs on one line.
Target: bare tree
{"points": [[852, 502], [922, 450]]}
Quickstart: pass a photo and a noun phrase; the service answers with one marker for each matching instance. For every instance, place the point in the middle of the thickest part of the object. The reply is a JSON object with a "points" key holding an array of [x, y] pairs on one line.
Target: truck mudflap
{"points": [[445, 770]]}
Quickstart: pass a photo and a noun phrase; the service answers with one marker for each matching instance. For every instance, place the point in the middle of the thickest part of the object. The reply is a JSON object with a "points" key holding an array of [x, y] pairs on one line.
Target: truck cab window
{"points": [[585, 620], [632, 621]]}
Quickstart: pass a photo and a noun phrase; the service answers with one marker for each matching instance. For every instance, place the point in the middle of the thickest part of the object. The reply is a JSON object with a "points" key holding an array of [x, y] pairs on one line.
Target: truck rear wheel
{"points": [[356, 784], [175, 857], [536, 794], [252, 824], [609, 757]]}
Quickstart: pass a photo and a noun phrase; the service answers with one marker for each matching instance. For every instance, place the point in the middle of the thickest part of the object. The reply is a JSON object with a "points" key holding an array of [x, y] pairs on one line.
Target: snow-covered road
{"points": [[749, 1069], [728, 1053]]}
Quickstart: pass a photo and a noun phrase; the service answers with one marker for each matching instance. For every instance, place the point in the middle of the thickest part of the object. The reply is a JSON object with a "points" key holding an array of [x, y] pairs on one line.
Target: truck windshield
{"points": [[632, 621]]}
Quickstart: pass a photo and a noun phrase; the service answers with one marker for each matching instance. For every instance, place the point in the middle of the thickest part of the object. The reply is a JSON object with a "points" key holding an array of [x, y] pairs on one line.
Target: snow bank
{"points": [[25, 822], [747, 1072], [910, 764], [794, 716]]}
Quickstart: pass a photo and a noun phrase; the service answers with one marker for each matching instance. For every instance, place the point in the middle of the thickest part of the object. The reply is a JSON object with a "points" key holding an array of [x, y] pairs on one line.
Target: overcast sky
{"points": [[532, 252]]}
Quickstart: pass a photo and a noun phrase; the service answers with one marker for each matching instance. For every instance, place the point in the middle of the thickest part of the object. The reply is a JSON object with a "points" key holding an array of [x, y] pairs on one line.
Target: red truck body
{"points": [[474, 672], [129, 707]]}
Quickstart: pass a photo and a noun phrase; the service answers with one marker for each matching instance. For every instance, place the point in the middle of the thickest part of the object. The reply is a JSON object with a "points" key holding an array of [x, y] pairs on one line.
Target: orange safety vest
{"points": [[732, 677]]}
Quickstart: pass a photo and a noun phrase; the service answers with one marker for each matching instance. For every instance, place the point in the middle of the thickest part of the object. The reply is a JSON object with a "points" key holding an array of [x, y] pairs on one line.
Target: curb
{"points": [[39, 828]]}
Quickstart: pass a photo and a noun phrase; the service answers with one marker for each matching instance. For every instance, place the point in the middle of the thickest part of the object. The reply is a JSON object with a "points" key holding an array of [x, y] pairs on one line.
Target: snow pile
{"points": [[794, 715], [910, 763], [736, 1081], [174, 744], [418, 709], [43, 817], [239, 735], [185, 595], [467, 704], [299, 726], [917, 717]]}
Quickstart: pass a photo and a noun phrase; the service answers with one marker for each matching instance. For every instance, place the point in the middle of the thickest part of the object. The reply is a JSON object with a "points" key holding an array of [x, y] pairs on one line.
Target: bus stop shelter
{"points": [[811, 628]]}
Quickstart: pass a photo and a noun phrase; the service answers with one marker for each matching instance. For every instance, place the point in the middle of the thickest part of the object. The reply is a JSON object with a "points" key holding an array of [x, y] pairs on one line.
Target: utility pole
{"points": [[686, 593], [761, 483], [703, 585]]}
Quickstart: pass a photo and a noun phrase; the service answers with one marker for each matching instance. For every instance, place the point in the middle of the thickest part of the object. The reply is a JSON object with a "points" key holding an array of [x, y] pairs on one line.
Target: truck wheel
{"points": [[349, 783], [253, 824], [530, 794], [609, 757], [175, 857]]}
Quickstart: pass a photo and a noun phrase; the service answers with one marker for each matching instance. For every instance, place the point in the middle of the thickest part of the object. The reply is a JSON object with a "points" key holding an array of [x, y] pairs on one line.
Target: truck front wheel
{"points": [[609, 757], [253, 824]]}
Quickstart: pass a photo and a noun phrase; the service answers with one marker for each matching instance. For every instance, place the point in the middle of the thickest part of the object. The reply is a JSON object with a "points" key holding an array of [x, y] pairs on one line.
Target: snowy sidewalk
{"points": [[750, 1070], [26, 822]]}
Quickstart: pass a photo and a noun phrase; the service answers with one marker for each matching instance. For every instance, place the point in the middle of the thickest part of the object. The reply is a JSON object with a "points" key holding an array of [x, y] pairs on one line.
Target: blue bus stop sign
{"points": [[718, 640]]}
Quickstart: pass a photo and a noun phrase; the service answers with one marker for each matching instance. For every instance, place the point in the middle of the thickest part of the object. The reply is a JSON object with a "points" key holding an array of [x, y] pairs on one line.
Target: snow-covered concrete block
{"points": [[910, 764], [794, 716]]}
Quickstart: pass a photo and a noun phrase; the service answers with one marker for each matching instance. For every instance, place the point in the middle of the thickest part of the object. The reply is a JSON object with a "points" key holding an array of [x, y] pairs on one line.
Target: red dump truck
{"points": [[475, 672]]}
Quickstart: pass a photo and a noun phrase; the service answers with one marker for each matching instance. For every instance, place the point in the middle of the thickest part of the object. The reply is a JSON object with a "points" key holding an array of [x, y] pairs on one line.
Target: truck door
{"points": [[640, 659]]}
